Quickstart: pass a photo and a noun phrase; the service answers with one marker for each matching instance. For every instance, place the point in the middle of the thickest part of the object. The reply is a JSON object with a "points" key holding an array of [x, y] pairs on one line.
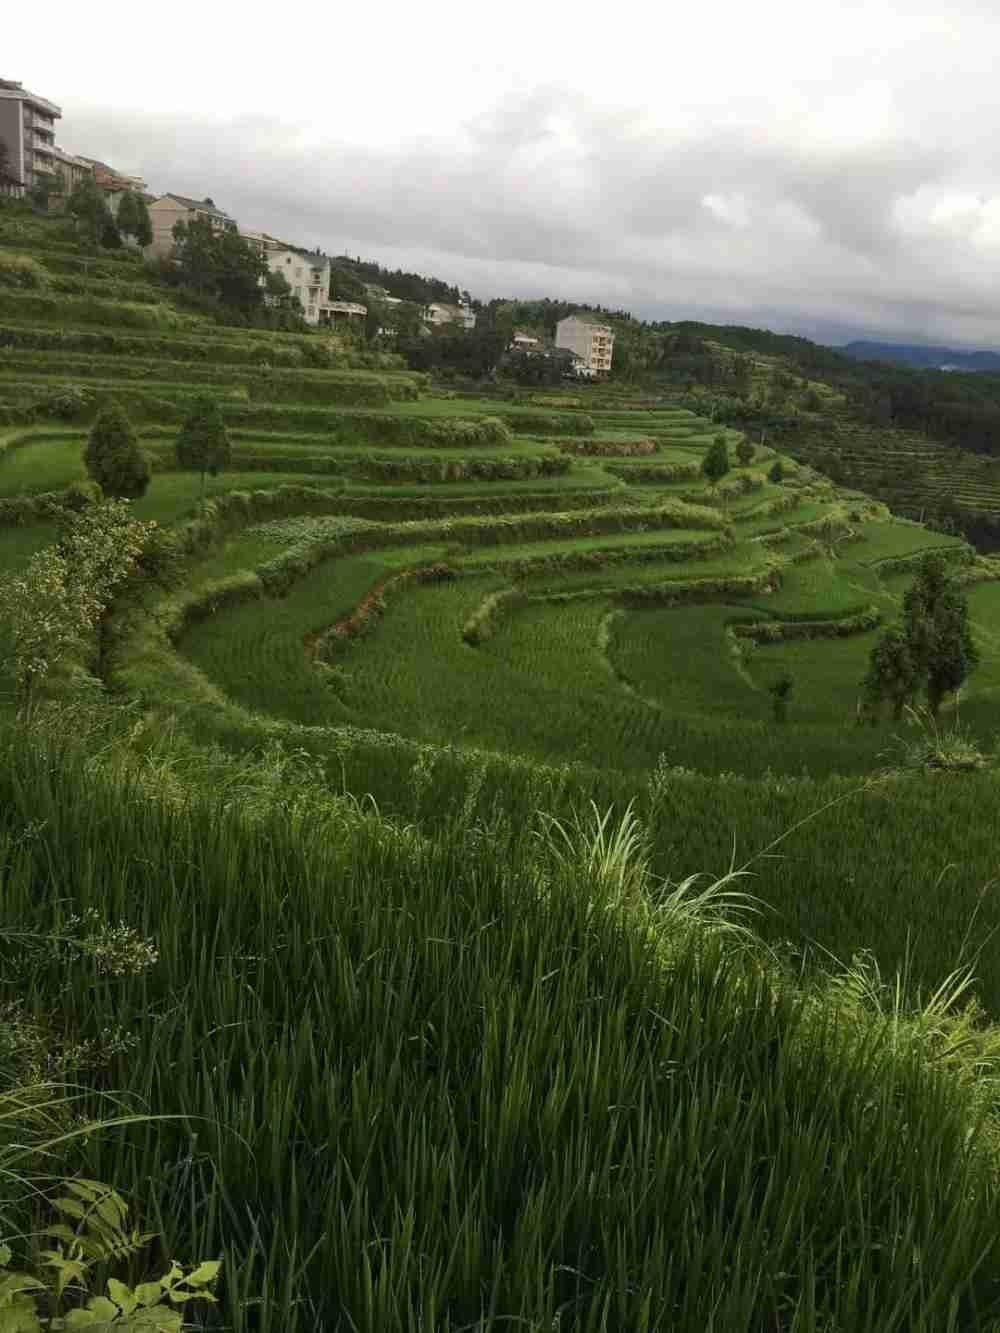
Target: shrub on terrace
{"points": [[203, 444], [112, 455], [22, 271]]}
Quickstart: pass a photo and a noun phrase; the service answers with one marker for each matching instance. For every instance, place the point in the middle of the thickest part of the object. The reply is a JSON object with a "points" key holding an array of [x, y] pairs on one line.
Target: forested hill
{"points": [[352, 277], [923, 358]]}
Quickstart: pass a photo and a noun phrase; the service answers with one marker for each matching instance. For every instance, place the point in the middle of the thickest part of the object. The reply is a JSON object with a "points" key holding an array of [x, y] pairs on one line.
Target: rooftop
{"points": [[14, 91], [594, 321], [198, 204]]}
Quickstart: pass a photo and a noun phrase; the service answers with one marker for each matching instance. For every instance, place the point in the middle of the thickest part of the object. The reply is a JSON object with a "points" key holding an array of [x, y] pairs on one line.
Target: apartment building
{"points": [[588, 339], [170, 209], [72, 169], [28, 131]]}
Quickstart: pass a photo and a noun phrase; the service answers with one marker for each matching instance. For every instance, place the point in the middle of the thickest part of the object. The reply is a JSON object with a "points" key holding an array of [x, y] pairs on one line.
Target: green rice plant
{"points": [[434, 1041], [947, 747]]}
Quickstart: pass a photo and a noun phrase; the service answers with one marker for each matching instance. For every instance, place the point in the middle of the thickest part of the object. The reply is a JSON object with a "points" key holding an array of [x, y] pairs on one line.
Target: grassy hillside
{"points": [[448, 1046]]}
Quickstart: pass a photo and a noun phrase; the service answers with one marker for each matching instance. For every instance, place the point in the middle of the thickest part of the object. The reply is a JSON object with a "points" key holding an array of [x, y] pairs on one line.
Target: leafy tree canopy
{"points": [[87, 206], [203, 444], [112, 455]]}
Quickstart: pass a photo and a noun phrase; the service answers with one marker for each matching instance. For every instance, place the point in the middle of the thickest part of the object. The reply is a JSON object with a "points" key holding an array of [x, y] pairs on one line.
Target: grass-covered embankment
{"points": [[498, 1075]]}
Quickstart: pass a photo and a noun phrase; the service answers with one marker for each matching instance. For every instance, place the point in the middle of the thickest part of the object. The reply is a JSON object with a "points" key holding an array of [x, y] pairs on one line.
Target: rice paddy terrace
{"points": [[408, 1033], [548, 577]]}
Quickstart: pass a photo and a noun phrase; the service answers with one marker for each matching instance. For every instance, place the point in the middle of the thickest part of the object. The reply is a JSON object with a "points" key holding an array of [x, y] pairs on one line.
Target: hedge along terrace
{"points": [[220, 346], [610, 448], [360, 387], [584, 554], [653, 474], [24, 305]]}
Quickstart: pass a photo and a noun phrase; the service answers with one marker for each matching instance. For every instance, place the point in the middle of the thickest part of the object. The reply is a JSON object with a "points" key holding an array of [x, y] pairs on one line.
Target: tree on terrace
{"points": [[781, 691], [87, 206], [745, 452], [936, 620], [219, 263], [893, 674], [715, 464], [112, 455], [133, 218], [203, 444], [931, 649]]}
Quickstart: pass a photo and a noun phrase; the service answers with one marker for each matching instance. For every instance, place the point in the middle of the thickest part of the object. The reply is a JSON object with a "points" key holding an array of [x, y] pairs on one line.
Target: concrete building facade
{"points": [[308, 275], [592, 341], [72, 169], [170, 209], [438, 312], [28, 131]]}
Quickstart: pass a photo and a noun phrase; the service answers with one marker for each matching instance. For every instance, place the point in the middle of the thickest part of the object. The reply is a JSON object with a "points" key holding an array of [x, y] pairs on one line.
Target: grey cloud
{"points": [[549, 194]]}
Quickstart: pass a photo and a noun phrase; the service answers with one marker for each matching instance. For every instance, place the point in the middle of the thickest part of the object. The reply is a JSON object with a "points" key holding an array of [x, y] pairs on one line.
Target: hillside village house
{"points": [[590, 340], [523, 341], [115, 184], [440, 313], [28, 129], [172, 208], [72, 169], [262, 241], [308, 275]]}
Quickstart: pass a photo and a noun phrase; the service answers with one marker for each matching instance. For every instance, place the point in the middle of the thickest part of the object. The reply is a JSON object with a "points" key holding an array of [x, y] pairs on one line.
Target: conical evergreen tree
{"points": [[112, 455]]}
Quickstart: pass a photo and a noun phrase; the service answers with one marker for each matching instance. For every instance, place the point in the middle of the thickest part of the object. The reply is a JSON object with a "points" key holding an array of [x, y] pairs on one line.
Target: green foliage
{"points": [[51, 610], [894, 673], [823, 1090], [781, 691], [113, 458], [776, 474], [87, 206], [218, 262], [133, 218], [715, 464], [931, 649], [936, 623], [92, 1231], [203, 444], [745, 451], [21, 271]]}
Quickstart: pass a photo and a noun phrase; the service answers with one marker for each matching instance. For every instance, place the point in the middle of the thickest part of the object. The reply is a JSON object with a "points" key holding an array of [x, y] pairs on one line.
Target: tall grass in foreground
{"points": [[493, 1079]]}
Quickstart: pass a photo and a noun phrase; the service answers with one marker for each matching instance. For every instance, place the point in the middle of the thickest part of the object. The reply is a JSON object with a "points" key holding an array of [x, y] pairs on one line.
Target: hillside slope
{"points": [[391, 757]]}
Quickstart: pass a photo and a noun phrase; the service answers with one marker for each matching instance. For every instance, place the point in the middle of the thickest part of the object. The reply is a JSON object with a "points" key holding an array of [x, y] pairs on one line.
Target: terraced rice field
{"points": [[587, 662]]}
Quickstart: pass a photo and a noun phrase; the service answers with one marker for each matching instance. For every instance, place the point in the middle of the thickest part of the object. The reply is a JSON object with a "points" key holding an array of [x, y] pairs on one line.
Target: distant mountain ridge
{"points": [[921, 357]]}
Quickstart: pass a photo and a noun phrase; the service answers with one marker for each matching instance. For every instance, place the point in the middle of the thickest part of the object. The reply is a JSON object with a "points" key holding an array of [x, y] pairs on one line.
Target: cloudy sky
{"points": [[832, 169]]}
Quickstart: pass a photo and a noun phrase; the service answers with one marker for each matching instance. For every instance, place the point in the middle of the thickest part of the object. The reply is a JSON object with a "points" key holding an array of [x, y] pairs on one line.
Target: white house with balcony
{"points": [[308, 275]]}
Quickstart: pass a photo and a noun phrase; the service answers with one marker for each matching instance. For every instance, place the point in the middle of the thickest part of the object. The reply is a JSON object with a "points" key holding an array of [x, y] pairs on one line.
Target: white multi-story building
{"points": [[590, 340], [28, 131], [308, 275]]}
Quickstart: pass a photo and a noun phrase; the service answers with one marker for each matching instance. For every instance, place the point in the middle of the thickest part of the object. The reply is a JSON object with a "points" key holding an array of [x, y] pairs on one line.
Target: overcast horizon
{"points": [[826, 172]]}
